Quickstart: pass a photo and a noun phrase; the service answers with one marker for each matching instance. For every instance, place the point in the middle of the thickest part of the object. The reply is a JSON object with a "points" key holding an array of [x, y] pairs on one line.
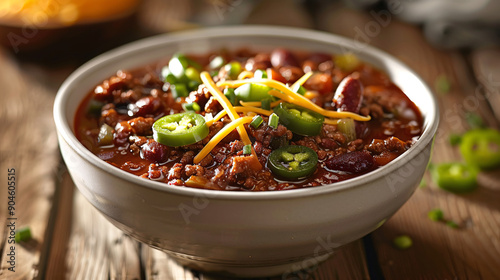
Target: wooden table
{"points": [[72, 241]]}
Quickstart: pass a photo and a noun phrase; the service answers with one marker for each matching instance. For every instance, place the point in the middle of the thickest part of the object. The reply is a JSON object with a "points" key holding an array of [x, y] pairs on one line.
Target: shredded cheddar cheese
{"points": [[216, 118], [224, 102], [332, 121], [253, 109], [245, 75], [311, 94], [259, 104], [219, 136], [288, 95], [301, 81], [279, 90]]}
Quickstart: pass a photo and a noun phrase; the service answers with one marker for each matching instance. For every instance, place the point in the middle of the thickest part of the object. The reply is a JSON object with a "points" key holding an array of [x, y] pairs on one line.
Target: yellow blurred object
{"points": [[59, 13]]}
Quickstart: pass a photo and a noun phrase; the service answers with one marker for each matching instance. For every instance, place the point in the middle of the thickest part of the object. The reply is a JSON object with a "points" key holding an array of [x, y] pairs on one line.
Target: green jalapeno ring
{"points": [[293, 162], [180, 129], [455, 177], [481, 147], [299, 120]]}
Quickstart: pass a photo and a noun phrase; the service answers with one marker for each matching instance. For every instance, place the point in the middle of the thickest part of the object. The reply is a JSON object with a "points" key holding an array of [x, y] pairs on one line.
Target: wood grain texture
{"points": [[439, 252], [486, 66], [58, 243], [28, 139], [347, 263], [97, 249]]}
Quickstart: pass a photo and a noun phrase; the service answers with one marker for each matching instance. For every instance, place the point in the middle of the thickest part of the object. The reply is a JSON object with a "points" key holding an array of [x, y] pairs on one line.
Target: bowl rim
{"points": [[64, 130]]}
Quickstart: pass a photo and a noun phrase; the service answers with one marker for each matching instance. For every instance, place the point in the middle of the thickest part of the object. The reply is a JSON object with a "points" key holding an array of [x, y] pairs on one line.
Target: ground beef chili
{"points": [[116, 120]]}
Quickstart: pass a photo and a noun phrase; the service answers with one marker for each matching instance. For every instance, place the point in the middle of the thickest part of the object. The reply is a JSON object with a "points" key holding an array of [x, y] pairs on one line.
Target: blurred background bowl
{"points": [[242, 233], [60, 29]]}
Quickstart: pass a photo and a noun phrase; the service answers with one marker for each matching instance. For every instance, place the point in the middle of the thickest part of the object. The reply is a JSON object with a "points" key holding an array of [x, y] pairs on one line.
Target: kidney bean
{"points": [[154, 151], [282, 57], [353, 162], [349, 95], [319, 57], [260, 61], [361, 129], [312, 62], [144, 106], [291, 73]]}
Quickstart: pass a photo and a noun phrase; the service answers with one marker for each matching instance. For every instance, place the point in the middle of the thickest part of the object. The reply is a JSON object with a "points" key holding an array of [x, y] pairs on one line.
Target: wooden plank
{"points": [[97, 249], [439, 252], [347, 263], [58, 244], [486, 65], [158, 266], [28, 138]]}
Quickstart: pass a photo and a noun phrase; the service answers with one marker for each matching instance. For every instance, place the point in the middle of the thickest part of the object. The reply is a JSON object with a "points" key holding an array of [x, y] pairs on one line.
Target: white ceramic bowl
{"points": [[242, 233]]}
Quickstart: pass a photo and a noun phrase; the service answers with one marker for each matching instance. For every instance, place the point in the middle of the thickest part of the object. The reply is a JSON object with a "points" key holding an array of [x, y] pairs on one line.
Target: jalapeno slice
{"points": [[455, 177], [299, 120], [293, 162], [481, 147], [180, 129]]}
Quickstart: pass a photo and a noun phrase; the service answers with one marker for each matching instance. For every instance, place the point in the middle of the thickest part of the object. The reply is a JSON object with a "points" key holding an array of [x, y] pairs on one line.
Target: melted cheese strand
{"points": [[219, 136]]}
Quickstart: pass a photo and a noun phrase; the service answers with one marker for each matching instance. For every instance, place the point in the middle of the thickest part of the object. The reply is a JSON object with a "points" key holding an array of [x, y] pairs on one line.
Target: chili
{"points": [[168, 140]]}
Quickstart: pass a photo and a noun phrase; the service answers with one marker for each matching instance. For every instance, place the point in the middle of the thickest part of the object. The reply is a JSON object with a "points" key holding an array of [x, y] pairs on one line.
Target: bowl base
{"points": [[288, 269]]}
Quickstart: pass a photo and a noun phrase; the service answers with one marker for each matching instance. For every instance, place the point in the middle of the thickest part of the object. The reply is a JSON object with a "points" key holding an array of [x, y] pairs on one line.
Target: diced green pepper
{"points": [[229, 93], [347, 62], [233, 69], [256, 121], [436, 215], [266, 104], [247, 149], [191, 107], [273, 121], [193, 74], [179, 90], [94, 107], [348, 127], [105, 136], [403, 242], [23, 234]]}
